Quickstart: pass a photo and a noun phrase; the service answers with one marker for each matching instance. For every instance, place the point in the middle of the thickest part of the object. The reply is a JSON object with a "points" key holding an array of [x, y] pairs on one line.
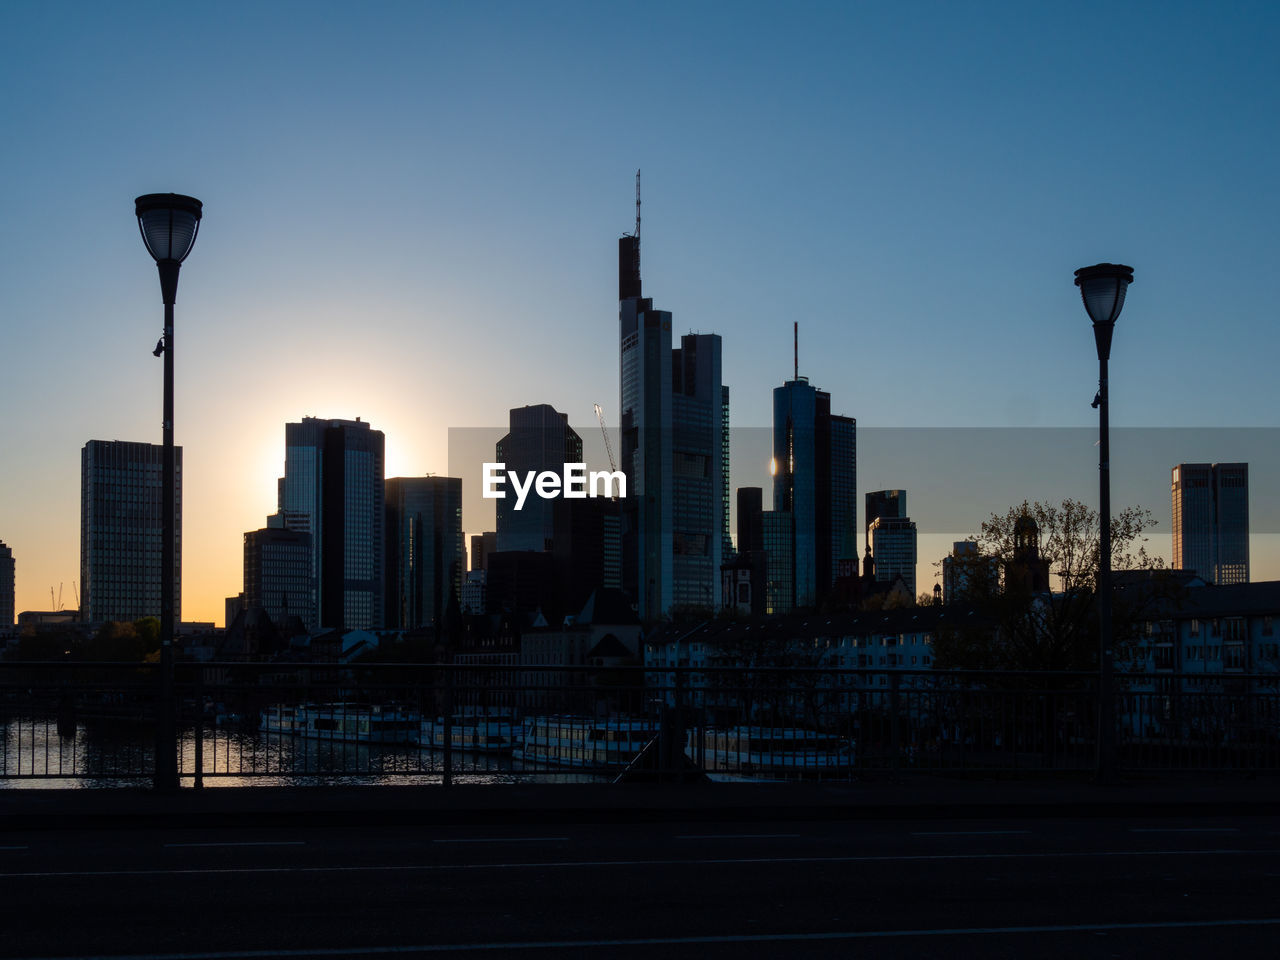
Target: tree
{"points": [[1032, 585]]}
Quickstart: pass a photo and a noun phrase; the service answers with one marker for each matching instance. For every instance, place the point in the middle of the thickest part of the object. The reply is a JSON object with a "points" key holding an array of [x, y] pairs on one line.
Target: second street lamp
{"points": [[1102, 288], [169, 223]]}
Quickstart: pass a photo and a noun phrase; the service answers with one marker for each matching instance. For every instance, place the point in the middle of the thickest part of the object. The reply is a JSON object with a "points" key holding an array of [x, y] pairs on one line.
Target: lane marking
{"points": [[594, 864], [498, 839], [737, 836], [242, 843], [968, 833], [1184, 830], [673, 941]]}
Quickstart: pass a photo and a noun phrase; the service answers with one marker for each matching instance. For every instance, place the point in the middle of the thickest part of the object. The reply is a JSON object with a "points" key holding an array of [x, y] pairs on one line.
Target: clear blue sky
{"points": [[411, 214]]}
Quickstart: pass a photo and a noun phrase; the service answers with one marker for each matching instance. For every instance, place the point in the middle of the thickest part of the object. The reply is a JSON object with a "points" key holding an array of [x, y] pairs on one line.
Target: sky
{"points": [[411, 213]]}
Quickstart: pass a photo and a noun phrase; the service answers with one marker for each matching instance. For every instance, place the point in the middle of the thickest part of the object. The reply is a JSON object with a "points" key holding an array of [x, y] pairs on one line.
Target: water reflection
{"points": [[34, 753]]}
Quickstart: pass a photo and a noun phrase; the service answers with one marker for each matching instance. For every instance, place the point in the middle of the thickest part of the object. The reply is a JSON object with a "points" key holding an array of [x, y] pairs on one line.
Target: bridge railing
{"points": [[96, 723]]}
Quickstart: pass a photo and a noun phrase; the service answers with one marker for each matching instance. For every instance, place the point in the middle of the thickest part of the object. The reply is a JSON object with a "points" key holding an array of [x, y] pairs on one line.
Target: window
{"points": [[1267, 627], [1195, 628]]}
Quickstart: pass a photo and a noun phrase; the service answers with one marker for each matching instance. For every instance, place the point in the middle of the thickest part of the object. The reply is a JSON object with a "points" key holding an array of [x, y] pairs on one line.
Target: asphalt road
{"points": [[1034, 888]]}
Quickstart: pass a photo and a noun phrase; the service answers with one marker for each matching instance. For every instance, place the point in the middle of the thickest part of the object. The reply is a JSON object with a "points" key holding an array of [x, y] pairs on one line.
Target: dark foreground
{"points": [[1108, 882]]}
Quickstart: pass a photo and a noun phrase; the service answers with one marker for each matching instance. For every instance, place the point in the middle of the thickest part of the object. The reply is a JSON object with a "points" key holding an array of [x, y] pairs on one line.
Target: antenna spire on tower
{"points": [[795, 346], [637, 206]]}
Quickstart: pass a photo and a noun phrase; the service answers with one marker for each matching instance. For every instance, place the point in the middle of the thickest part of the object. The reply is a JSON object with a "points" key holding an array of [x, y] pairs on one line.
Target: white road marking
{"points": [[968, 833], [498, 839], [737, 836], [672, 941], [243, 843], [579, 864]]}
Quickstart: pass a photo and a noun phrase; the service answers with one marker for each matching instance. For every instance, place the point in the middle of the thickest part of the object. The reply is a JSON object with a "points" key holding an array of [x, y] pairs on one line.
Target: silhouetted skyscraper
{"points": [[1211, 520], [277, 575], [750, 521], [893, 548], [539, 438], [7, 583], [815, 480], [333, 488], [483, 544], [425, 557], [890, 504], [122, 530]]}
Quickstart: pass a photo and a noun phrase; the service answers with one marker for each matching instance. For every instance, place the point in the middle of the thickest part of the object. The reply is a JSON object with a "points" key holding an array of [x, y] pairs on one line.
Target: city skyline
{"points": [[894, 176]]}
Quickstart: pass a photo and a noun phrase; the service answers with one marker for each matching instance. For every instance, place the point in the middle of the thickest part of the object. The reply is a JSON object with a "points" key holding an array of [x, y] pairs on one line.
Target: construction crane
{"points": [[613, 464]]}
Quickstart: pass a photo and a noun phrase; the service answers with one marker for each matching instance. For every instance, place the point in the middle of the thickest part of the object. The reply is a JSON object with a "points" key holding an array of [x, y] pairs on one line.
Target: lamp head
{"points": [[169, 223], [1102, 288]]}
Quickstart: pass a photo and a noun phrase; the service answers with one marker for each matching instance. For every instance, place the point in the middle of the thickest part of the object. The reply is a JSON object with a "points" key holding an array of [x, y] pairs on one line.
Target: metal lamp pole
{"points": [[1102, 288], [169, 223]]}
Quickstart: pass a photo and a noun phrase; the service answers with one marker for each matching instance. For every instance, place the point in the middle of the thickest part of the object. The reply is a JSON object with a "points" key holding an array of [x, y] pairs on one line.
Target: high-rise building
{"points": [[483, 544], [815, 480], [7, 582], [778, 527], [539, 438], [277, 575], [425, 557], [674, 417], [122, 530], [1211, 520], [645, 452], [750, 520], [699, 483], [890, 504], [893, 548], [333, 488]]}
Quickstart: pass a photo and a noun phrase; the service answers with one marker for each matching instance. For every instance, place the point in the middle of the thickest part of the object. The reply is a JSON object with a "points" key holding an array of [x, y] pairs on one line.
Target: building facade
{"points": [[539, 438], [815, 480], [7, 587], [893, 548], [1211, 520], [674, 451], [890, 504], [425, 562], [333, 488], [122, 530], [277, 575]]}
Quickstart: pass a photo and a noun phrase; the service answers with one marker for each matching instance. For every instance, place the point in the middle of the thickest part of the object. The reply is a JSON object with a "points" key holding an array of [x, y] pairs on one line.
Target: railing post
{"points": [[448, 727], [895, 735], [198, 783]]}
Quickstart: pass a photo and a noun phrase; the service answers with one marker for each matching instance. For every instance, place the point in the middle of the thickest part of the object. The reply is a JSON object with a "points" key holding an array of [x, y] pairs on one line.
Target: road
{"points": [[1045, 888]]}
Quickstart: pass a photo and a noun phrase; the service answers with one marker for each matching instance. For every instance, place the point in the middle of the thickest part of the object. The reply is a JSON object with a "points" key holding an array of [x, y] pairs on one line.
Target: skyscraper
{"points": [[893, 548], [333, 488], [122, 530], [1211, 520], [699, 481], [815, 479], [890, 504], [6, 586], [539, 438], [645, 452], [425, 556], [277, 575]]}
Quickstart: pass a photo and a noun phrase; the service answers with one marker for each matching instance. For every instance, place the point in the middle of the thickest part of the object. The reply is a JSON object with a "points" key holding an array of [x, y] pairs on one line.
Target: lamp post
{"points": [[169, 223], [1102, 288]]}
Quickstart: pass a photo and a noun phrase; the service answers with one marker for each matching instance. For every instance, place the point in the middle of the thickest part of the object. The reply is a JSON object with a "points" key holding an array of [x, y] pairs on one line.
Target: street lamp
{"points": [[168, 223], [1102, 288]]}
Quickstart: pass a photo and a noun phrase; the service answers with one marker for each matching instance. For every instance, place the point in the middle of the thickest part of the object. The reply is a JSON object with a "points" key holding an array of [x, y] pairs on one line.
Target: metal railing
{"points": [[95, 724]]}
